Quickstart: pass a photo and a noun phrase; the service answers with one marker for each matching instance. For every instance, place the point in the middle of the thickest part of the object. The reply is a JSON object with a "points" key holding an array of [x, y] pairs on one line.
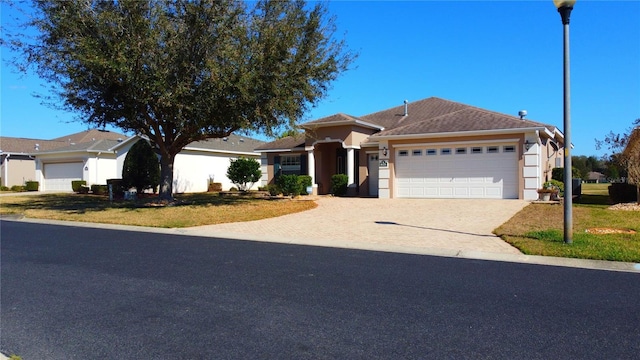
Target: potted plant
{"points": [[548, 191]]}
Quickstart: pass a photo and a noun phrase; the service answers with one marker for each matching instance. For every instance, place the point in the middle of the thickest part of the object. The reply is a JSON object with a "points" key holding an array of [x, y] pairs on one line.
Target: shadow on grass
{"points": [[84, 203], [587, 199]]}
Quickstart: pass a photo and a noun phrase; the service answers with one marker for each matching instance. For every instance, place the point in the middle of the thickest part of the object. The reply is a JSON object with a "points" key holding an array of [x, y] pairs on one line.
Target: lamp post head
{"points": [[564, 8], [563, 3]]}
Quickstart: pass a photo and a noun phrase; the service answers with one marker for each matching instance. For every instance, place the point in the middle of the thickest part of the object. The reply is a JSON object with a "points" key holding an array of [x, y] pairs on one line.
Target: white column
{"points": [[350, 166], [311, 167]]}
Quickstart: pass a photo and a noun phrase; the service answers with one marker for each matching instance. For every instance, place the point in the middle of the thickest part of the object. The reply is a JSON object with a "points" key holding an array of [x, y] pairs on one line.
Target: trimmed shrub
{"points": [[273, 190], [83, 189], [4, 188], [289, 185], [339, 184], [558, 173], [18, 188], [622, 192], [31, 185], [141, 168], [100, 189], [244, 172], [76, 184], [305, 181]]}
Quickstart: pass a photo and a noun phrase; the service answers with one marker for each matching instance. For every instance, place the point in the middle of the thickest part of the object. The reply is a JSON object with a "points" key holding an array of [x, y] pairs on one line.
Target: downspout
{"points": [[97, 158], [5, 176]]}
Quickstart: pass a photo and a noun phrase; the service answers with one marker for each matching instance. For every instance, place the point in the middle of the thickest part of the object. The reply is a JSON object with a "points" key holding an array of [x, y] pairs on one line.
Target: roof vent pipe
{"points": [[406, 107], [522, 114]]}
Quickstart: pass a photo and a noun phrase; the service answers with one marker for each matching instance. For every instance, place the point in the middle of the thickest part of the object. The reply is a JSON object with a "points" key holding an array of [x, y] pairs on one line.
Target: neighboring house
{"points": [[596, 177], [98, 160], [432, 148], [17, 155]]}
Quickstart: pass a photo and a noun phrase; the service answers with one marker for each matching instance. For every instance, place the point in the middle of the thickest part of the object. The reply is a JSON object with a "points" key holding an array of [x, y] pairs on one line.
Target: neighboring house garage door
{"points": [[58, 177], [457, 171]]}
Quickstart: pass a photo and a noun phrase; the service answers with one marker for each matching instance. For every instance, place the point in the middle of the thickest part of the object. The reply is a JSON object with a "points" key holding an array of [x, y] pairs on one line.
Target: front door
{"points": [[373, 174]]}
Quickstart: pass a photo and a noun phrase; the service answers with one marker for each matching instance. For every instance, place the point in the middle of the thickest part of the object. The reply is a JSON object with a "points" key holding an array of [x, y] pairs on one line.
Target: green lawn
{"points": [[538, 229]]}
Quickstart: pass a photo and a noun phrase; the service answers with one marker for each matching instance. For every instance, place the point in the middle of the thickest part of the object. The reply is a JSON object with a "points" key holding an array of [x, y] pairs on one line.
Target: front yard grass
{"points": [[538, 229], [193, 209]]}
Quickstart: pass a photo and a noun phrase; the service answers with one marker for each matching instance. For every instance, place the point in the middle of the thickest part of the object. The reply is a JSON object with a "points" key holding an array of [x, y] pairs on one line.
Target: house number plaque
{"points": [[384, 163]]}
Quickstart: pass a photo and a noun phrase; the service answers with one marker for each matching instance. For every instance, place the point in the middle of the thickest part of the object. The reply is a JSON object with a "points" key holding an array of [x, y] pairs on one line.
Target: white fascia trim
{"points": [[280, 150], [218, 151], [128, 140], [497, 141], [343, 122], [460, 133]]}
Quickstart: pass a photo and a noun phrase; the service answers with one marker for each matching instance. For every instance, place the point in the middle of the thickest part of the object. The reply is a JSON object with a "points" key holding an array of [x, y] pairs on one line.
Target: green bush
{"points": [[339, 184], [31, 185], [100, 189], [289, 185], [622, 192], [4, 188], [83, 189], [76, 184], [558, 174], [305, 181], [273, 190], [554, 184], [141, 168], [18, 188], [244, 172]]}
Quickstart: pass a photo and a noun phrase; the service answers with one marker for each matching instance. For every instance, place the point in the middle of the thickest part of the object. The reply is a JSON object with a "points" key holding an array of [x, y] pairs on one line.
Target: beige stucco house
{"points": [[432, 148]]}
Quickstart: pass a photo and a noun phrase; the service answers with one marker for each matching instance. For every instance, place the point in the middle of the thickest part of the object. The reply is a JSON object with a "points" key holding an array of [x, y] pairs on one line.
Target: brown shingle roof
{"points": [[91, 135], [27, 146], [286, 143], [467, 119], [417, 111], [233, 143]]}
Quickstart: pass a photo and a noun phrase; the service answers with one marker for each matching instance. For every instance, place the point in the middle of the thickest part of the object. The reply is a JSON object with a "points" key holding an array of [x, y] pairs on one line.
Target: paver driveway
{"points": [[385, 224]]}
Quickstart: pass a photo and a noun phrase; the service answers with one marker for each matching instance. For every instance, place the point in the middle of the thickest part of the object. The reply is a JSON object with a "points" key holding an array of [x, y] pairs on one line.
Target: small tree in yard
{"points": [[244, 172], [141, 168], [631, 159]]}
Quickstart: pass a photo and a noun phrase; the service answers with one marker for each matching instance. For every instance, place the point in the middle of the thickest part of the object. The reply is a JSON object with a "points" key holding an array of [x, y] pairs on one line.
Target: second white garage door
{"points": [[457, 171], [58, 177]]}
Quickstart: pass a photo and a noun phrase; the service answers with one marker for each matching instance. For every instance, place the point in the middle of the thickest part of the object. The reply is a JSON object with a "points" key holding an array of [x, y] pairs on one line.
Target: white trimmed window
{"points": [[290, 162]]}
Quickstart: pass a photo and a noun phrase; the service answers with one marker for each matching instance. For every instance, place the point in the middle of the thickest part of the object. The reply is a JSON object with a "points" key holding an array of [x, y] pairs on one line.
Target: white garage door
{"points": [[457, 171], [58, 177]]}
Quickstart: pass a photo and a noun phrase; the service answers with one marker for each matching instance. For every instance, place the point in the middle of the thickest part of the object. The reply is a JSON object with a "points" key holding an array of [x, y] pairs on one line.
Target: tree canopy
{"points": [[615, 144], [184, 71]]}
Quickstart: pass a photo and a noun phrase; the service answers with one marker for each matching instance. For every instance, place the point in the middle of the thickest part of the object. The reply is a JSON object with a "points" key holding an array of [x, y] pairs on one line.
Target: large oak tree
{"points": [[184, 71]]}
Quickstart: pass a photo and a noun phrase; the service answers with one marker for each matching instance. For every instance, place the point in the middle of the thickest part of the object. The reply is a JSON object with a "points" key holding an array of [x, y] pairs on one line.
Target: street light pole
{"points": [[564, 8]]}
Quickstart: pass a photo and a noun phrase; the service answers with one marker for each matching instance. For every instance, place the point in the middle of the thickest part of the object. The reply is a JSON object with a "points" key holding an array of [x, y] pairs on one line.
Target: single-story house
{"points": [[96, 159], [17, 155], [432, 148]]}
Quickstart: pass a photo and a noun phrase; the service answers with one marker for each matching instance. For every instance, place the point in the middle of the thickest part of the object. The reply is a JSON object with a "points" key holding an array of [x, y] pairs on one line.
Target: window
{"points": [[403, 153], [492, 149], [432, 152], [445, 151], [476, 150], [461, 150], [509, 148], [416, 153], [290, 162]]}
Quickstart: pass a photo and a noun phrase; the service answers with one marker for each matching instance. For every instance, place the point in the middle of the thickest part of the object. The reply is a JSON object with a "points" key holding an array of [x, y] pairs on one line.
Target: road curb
{"points": [[359, 245]]}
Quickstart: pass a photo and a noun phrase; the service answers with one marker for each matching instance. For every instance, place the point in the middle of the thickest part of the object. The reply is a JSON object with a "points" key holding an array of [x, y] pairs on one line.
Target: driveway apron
{"points": [[451, 225]]}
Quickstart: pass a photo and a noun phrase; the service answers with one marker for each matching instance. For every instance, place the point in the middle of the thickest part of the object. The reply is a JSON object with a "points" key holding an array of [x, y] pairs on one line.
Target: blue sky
{"points": [[503, 56]]}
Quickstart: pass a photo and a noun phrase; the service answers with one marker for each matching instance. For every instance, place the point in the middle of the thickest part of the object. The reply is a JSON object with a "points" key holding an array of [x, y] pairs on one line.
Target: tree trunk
{"points": [[638, 193], [166, 177]]}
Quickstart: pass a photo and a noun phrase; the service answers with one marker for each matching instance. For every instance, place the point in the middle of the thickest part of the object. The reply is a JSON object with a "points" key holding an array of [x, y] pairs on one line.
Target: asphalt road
{"points": [[83, 293]]}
